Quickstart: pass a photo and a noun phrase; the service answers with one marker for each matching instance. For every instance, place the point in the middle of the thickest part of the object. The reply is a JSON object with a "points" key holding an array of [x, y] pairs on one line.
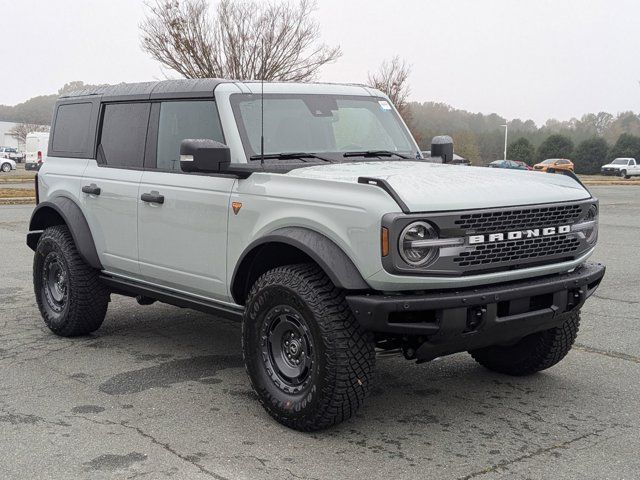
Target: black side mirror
{"points": [[203, 155], [442, 146]]}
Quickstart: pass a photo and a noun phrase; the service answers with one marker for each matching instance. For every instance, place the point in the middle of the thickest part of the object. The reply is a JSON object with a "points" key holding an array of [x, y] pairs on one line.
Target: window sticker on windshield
{"points": [[384, 105]]}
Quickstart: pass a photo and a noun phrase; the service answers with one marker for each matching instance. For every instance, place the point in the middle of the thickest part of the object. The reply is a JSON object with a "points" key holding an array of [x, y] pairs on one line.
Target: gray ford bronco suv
{"points": [[307, 212]]}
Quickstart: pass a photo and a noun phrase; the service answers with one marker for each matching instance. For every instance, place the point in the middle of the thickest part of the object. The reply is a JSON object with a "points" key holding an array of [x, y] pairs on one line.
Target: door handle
{"points": [[92, 189], [152, 197]]}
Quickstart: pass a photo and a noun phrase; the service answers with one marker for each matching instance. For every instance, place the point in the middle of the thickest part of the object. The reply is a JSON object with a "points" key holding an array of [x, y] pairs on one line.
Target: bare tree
{"points": [[20, 131], [183, 36], [392, 78]]}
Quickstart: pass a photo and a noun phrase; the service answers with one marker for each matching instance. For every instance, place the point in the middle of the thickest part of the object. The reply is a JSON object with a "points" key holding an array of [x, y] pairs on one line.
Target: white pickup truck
{"points": [[623, 167]]}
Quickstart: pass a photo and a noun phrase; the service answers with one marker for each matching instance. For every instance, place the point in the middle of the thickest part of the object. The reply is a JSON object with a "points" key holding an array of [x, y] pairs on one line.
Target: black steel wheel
{"points": [[55, 282], [287, 348], [309, 361]]}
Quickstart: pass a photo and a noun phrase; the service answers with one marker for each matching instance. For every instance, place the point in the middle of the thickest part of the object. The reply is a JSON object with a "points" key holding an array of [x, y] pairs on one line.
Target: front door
{"points": [[182, 219], [110, 185]]}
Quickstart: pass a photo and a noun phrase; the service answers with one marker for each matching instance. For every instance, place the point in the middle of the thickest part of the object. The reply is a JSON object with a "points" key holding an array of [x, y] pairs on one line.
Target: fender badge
{"points": [[236, 207]]}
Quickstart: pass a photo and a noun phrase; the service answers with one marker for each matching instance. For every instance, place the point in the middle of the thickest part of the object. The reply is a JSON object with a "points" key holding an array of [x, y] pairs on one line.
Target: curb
{"points": [[15, 180], [17, 201], [596, 183]]}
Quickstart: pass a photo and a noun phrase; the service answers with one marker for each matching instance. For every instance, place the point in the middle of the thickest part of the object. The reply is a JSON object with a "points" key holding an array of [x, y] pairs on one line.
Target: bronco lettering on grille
{"points": [[518, 234]]}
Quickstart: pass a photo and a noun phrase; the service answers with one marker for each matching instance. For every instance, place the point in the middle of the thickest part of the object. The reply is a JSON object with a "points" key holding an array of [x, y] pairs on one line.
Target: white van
{"points": [[36, 147]]}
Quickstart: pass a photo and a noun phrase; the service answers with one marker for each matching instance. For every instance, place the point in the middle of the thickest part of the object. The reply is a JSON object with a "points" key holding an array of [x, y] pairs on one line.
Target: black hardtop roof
{"points": [[184, 88]]}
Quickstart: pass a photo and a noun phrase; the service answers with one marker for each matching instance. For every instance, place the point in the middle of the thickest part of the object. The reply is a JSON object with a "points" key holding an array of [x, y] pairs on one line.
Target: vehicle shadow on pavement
{"points": [[178, 346]]}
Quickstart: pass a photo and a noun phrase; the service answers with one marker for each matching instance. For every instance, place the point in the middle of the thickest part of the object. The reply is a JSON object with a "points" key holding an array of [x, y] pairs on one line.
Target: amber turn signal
{"points": [[384, 241]]}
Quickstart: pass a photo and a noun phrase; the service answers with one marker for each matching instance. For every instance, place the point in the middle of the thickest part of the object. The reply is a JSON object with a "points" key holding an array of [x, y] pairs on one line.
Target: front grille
{"points": [[521, 218], [479, 256], [517, 250]]}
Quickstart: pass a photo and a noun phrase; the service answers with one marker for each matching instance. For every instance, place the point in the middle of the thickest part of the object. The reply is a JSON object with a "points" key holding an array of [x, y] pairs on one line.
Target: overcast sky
{"points": [[518, 58]]}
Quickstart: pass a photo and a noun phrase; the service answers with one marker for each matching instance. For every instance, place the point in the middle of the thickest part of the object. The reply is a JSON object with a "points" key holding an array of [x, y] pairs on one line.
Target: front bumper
{"points": [[610, 171], [457, 320]]}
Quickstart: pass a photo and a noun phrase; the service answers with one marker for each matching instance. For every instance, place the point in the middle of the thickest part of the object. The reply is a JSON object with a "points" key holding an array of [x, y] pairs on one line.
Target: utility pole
{"points": [[506, 130]]}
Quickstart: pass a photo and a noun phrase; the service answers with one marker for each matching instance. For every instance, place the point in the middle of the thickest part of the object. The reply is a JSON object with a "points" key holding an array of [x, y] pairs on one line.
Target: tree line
{"points": [[589, 142]]}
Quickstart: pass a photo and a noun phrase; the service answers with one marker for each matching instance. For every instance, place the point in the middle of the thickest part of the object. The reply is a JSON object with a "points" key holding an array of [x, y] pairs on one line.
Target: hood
{"points": [[611, 165], [430, 187]]}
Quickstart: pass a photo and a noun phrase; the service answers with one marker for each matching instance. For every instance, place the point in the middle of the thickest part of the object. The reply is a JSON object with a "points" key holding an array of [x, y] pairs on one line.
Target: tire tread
{"points": [[88, 297], [349, 356], [532, 354]]}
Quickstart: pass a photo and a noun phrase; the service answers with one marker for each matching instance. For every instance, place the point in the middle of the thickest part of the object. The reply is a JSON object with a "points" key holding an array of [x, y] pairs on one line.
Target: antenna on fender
{"points": [[262, 105]]}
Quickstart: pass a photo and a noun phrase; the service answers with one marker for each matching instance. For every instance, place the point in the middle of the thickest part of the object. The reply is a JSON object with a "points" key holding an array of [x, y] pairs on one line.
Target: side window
{"points": [[180, 120], [72, 127], [123, 134]]}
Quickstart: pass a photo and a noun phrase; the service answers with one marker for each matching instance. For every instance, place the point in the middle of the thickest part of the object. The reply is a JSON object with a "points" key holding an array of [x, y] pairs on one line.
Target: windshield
{"points": [[620, 161], [550, 161], [327, 124]]}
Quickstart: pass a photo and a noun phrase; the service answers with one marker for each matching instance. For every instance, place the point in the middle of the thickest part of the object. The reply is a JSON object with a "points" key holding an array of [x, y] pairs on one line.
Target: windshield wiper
{"points": [[289, 156], [374, 153]]}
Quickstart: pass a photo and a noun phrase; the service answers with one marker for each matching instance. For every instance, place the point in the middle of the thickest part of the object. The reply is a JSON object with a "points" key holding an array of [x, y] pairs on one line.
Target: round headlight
{"points": [[589, 225], [412, 240], [591, 234]]}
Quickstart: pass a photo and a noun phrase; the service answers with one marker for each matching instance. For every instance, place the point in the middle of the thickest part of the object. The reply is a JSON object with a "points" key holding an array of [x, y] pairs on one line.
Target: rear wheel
{"points": [[308, 359], [70, 296], [6, 167], [533, 353]]}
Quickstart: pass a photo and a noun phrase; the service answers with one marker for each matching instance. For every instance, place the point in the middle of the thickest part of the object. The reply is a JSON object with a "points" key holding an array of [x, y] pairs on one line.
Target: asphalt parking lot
{"points": [[160, 392]]}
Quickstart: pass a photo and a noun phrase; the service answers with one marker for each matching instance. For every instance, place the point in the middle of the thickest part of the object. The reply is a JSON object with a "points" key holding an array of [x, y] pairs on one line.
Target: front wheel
{"points": [[534, 352], [6, 167], [308, 359]]}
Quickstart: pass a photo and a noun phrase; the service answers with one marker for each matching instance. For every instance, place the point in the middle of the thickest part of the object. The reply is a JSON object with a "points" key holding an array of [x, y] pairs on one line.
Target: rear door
{"points": [[110, 185], [182, 236]]}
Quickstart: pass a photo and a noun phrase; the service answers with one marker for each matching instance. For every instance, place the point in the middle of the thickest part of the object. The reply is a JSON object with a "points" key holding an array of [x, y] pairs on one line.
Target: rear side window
{"points": [[180, 120], [72, 128], [123, 134]]}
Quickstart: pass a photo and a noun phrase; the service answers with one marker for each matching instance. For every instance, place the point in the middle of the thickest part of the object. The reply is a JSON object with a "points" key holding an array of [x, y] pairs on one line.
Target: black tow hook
{"points": [[475, 317]]}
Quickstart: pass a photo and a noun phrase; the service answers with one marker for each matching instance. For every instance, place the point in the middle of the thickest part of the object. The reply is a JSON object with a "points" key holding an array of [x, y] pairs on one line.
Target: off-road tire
{"points": [[533, 353], [86, 298], [344, 355], [6, 167]]}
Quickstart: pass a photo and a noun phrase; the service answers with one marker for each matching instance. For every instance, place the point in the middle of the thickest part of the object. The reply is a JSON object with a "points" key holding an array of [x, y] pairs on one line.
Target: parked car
{"points": [[553, 164], [523, 164], [37, 144], [6, 165], [324, 236], [512, 164], [622, 167], [12, 153]]}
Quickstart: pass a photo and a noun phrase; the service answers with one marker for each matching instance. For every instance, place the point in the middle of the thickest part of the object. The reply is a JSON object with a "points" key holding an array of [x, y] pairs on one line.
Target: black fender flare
{"points": [[62, 208], [322, 250]]}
